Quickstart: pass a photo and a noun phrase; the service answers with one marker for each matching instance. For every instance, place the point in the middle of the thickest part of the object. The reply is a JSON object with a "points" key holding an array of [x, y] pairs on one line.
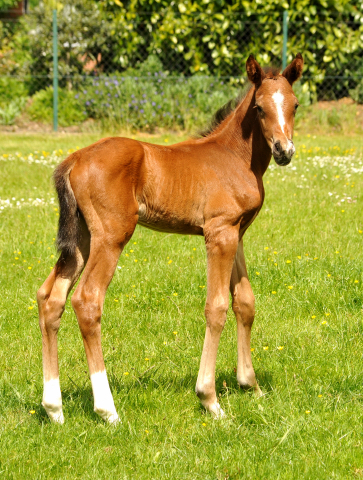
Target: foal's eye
{"points": [[296, 107], [259, 109]]}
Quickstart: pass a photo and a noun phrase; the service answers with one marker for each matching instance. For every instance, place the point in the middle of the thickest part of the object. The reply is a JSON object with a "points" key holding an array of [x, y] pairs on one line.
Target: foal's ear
{"points": [[254, 71], [293, 71]]}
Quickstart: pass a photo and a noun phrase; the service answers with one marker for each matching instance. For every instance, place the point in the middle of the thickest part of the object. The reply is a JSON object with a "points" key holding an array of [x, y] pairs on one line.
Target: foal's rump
{"points": [[99, 184]]}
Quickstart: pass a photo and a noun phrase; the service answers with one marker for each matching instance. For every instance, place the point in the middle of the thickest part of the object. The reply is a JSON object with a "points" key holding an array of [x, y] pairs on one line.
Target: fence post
{"points": [[55, 71], [284, 40]]}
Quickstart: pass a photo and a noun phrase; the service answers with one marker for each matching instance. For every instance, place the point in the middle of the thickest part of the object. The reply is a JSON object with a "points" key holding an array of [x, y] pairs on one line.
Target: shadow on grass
{"points": [[140, 390]]}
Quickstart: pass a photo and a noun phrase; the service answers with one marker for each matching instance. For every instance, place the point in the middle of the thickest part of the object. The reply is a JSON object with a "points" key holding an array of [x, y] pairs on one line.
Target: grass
{"points": [[304, 256]]}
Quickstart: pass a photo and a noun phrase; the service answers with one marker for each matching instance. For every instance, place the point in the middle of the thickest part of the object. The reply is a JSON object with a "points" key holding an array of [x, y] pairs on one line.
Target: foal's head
{"points": [[276, 105]]}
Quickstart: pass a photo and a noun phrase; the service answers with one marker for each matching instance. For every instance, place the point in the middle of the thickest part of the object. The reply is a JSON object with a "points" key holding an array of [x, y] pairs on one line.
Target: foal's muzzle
{"points": [[283, 154]]}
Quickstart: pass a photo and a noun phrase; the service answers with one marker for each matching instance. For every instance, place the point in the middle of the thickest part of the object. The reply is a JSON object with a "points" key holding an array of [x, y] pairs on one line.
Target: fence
{"points": [[105, 64]]}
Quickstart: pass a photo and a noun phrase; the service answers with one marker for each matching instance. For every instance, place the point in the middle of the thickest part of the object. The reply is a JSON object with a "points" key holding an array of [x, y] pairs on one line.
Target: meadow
{"points": [[304, 257]]}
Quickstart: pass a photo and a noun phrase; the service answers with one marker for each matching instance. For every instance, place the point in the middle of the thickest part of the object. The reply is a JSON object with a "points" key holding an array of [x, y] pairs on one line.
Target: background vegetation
{"points": [[183, 40]]}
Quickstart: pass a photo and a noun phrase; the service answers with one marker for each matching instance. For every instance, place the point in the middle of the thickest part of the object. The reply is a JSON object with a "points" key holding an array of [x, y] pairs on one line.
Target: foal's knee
{"points": [[51, 309], [88, 311], [216, 313], [243, 306]]}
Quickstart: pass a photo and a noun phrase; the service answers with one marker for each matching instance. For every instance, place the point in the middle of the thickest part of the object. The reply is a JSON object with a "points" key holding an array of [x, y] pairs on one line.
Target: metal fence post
{"points": [[284, 40], [55, 71]]}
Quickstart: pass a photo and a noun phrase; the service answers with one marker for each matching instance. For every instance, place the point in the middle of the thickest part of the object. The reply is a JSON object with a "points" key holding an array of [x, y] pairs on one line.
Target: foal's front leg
{"points": [[221, 249], [243, 304]]}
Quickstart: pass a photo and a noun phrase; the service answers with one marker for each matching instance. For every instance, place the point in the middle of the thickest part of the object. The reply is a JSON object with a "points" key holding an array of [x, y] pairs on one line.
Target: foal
{"points": [[210, 186]]}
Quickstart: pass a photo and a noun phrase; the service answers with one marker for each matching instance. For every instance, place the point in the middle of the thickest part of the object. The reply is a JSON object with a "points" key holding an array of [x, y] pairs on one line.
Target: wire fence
{"points": [[111, 60]]}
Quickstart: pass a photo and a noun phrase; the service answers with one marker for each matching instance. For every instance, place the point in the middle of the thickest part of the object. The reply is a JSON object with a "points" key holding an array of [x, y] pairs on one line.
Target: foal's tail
{"points": [[68, 226]]}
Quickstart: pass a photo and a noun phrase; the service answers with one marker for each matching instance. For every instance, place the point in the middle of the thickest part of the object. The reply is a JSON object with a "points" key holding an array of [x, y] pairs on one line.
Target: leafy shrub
{"points": [[151, 98], [11, 89], [10, 111], [357, 93], [69, 109]]}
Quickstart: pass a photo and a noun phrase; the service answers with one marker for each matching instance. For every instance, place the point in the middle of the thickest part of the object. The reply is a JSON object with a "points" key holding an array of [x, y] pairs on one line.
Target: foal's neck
{"points": [[242, 133]]}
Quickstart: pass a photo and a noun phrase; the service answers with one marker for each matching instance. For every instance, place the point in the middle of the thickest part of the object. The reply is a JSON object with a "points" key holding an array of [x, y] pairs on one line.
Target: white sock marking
{"points": [[52, 400], [278, 98], [104, 404]]}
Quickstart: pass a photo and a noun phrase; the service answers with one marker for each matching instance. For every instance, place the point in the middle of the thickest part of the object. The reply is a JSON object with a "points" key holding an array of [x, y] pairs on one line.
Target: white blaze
{"points": [[104, 404], [278, 98]]}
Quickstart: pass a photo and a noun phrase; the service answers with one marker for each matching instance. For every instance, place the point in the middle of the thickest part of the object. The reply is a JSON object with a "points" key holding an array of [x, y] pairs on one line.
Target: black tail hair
{"points": [[68, 226]]}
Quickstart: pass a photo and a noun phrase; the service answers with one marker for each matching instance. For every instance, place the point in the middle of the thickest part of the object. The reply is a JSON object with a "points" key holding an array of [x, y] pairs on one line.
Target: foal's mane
{"points": [[222, 113]]}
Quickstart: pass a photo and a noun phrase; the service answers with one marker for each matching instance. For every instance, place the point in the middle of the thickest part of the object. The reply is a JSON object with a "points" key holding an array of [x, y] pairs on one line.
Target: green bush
{"points": [[195, 37], [11, 111], [151, 99], [69, 109], [357, 92], [11, 89]]}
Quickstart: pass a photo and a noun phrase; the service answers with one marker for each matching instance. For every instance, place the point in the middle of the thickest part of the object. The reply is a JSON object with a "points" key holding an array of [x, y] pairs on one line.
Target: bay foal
{"points": [[211, 186]]}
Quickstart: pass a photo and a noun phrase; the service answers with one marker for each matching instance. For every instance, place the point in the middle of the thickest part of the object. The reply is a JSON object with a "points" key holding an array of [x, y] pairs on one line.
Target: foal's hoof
{"points": [[55, 413], [256, 389], [258, 392], [113, 419], [216, 410], [108, 416]]}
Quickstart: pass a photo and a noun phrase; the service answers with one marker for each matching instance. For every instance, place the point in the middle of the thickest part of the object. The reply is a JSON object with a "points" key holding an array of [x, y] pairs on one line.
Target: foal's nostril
{"points": [[278, 147]]}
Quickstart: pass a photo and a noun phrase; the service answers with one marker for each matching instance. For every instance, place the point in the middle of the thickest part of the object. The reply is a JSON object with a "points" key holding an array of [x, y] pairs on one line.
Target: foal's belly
{"points": [[170, 222]]}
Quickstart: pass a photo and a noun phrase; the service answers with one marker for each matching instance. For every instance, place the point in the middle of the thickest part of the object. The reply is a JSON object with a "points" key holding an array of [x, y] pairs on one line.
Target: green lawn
{"points": [[304, 256]]}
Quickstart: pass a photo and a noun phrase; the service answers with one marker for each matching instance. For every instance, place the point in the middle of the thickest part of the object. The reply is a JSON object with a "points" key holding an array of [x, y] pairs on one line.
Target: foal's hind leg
{"points": [[52, 297], [243, 305], [87, 302]]}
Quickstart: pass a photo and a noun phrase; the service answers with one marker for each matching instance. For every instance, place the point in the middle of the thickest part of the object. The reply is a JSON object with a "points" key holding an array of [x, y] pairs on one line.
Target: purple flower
{"points": [[153, 104], [96, 92], [87, 103], [116, 96], [142, 110], [132, 96], [77, 95], [85, 92], [190, 95]]}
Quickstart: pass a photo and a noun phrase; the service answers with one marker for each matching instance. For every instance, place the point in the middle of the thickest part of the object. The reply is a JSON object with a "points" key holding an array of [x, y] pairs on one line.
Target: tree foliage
{"points": [[6, 4], [194, 37]]}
